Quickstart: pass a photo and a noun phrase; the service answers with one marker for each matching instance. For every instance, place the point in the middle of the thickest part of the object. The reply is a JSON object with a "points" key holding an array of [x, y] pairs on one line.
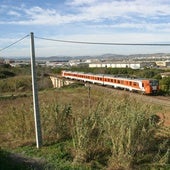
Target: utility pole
{"points": [[35, 95]]}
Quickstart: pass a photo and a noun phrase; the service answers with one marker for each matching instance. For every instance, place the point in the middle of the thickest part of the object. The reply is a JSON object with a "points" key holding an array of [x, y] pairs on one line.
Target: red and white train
{"points": [[144, 86]]}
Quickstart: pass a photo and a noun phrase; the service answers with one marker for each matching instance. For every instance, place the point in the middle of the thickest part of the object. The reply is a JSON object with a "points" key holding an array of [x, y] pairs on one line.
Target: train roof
{"points": [[112, 76]]}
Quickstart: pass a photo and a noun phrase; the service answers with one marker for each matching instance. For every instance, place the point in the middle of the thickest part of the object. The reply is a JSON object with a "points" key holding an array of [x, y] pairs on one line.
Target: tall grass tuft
{"points": [[87, 136], [56, 121], [121, 126], [129, 129], [19, 124]]}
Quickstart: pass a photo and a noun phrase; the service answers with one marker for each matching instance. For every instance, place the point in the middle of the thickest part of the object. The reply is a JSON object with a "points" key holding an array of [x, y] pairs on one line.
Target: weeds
{"points": [[129, 130], [114, 132], [56, 121]]}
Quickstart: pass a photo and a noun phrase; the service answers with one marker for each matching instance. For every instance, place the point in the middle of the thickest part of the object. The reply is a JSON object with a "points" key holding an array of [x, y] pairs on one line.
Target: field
{"points": [[84, 128]]}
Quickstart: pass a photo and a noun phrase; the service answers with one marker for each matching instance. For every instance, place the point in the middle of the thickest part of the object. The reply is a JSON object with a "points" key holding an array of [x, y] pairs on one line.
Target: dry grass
{"points": [[111, 129]]}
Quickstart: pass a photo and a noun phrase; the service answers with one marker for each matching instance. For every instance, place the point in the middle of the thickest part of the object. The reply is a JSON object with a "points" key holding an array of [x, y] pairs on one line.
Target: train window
{"points": [[118, 81], [135, 84], [142, 84], [156, 83]]}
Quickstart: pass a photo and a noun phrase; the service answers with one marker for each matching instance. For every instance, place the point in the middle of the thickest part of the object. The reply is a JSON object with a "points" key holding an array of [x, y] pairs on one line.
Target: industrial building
{"points": [[163, 63], [133, 65]]}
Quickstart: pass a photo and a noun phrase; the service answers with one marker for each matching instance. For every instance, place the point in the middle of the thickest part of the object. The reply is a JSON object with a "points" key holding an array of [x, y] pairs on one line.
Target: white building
{"points": [[135, 65], [163, 63], [166, 74]]}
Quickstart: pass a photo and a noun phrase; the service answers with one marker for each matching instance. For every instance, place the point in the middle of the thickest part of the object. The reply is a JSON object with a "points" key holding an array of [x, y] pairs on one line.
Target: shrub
{"points": [[165, 85], [56, 121], [16, 84], [129, 129], [87, 136], [6, 74]]}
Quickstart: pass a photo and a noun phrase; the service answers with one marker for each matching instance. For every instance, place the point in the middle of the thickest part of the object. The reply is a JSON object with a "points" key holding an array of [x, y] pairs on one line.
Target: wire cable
{"points": [[86, 42], [105, 43], [14, 43]]}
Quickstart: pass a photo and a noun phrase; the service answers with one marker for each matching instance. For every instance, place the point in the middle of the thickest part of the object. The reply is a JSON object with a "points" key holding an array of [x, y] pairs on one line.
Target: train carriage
{"points": [[145, 86]]}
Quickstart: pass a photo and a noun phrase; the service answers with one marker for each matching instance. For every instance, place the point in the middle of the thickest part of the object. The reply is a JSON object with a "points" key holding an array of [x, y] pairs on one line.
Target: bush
{"points": [[125, 130], [6, 74], [16, 84], [165, 85], [129, 131], [88, 136], [56, 121]]}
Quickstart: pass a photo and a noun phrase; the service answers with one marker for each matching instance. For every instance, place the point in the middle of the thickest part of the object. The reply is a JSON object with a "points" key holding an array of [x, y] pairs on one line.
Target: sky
{"points": [[113, 21]]}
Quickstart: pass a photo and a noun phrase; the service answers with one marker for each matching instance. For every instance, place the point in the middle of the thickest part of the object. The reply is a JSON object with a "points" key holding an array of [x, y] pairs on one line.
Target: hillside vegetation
{"points": [[102, 130], [83, 127], [19, 79]]}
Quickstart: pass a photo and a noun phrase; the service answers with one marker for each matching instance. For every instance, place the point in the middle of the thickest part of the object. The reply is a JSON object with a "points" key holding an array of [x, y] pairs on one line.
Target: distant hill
{"points": [[102, 56]]}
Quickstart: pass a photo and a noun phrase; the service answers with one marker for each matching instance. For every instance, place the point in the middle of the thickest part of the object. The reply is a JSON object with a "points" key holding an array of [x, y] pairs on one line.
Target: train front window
{"points": [[153, 82]]}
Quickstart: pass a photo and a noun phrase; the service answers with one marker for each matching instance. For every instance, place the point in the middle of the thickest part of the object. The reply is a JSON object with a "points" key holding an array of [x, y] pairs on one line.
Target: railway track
{"points": [[159, 100], [162, 100]]}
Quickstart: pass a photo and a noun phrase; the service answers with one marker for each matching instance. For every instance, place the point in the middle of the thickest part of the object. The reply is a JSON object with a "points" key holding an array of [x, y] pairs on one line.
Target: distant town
{"points": [[137, 61]]}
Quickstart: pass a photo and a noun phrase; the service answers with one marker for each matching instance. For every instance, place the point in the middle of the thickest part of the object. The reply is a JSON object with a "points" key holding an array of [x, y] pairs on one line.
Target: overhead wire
{"points": [[104, 43], [14, 43], [88, 42]]}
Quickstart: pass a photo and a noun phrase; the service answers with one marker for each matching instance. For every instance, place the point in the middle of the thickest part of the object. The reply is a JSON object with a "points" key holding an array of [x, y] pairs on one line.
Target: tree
{"points": [[165, 84]]}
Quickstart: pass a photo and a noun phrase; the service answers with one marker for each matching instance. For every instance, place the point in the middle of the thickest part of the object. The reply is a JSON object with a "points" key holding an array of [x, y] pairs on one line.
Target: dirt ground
{"points": [[165, 116]]}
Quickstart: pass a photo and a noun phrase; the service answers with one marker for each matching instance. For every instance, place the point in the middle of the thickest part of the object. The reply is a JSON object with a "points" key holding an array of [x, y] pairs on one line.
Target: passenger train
{"points": [[144, 86]]}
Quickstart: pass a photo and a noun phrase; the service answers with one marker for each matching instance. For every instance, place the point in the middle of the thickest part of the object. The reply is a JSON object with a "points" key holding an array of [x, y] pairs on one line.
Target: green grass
{"points": [[55, 156], [8, 163]]}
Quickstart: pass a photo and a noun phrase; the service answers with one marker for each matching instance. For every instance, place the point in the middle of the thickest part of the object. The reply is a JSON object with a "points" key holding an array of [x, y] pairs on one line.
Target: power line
{"points": [[104, 43], [88, 42], [14, 43]]}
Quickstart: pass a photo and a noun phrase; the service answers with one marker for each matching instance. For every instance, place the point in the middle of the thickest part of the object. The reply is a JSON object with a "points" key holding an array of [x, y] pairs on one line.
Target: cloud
{"points": [[81, 2], [140, 14], [14, 13]]}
